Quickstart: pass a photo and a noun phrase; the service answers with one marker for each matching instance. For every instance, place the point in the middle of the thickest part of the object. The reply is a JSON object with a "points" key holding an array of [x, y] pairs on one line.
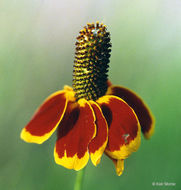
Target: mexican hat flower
{"points": [[93, 117]]}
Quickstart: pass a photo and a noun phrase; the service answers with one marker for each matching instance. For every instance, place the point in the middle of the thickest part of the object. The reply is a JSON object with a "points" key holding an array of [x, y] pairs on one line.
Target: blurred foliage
{"points": [[36, 58]]}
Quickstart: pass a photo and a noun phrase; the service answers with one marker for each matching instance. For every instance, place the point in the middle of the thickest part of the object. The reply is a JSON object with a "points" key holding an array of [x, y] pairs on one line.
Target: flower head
{"points": [[93, 117]]}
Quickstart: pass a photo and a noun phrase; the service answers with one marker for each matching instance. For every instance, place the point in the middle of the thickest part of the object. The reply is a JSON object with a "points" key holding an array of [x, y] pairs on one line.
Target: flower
{"points": [[93, 117]]}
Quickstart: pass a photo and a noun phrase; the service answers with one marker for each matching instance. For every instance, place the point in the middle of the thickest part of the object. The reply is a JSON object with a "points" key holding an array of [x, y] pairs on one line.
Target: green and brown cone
{"points": [[91, 62]]}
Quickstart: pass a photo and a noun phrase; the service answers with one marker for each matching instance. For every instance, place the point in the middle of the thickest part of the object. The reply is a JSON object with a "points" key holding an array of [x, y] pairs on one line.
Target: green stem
{"points": [[79, 180]]}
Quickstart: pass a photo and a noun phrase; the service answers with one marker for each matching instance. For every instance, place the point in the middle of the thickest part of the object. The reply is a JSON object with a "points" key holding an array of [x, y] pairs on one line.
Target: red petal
{"points": [[98, 144], [75, 132], [143, 113], [124, 128], [46, 118]]}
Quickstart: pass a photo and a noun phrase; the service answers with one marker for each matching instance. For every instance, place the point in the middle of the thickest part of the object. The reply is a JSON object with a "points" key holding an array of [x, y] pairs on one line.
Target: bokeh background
{"points": [[37, 40]]}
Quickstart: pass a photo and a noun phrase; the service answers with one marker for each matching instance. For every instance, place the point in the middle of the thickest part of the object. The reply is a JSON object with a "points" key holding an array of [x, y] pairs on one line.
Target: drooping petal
{"points": [[46, 118], [143, 113], [124, 129], [118, 163], [99, 142], [119, 166], [75, 132]]}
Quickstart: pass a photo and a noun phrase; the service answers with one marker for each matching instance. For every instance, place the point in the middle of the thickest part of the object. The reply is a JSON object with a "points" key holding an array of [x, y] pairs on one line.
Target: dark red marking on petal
{"points": [[107, 113], [142, 111]]}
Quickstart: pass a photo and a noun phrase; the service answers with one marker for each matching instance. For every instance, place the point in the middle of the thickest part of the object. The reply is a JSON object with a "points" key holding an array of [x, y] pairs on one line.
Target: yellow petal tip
{"points": [[119, 167], [27, 137], [71, 162]]}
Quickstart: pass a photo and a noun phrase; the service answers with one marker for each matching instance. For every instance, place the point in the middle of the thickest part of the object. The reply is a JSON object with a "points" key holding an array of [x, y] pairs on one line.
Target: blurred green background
{"points": [[37, 40]]}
